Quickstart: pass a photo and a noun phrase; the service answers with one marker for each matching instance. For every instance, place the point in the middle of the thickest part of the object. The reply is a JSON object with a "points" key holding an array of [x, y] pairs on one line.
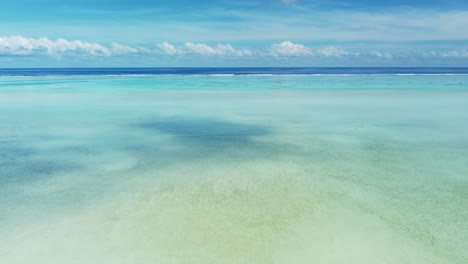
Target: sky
{"points": [[233, 33]]}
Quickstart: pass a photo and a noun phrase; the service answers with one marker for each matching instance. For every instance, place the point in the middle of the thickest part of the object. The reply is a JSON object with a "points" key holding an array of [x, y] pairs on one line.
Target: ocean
{"points": [[234, 165]]}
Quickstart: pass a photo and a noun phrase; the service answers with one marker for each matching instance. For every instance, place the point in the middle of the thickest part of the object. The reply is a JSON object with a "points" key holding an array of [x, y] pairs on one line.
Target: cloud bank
{"points": [[202, 49], [15, 47], [118, 49], [289, 49], [18, 45]]}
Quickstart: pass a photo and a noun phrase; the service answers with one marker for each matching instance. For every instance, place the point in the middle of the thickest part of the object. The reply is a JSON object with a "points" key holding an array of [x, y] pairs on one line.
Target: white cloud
{"points": [[218, 50], [382, 55], [24, 46], [228, 50], [201, 49], [331, 52], [459, 53], [168, 48], [118, 49], [18, 45], [190, 48], [289, 49], [283, 49], [462, 53]]}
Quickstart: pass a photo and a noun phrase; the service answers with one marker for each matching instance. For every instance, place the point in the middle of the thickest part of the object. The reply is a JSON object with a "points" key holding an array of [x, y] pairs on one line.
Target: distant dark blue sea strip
{"points": [[226, 71]]}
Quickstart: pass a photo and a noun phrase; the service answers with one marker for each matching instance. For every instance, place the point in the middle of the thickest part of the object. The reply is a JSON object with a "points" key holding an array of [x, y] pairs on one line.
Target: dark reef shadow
{"points": [[206, 131], [20, 163], [212, 137]]}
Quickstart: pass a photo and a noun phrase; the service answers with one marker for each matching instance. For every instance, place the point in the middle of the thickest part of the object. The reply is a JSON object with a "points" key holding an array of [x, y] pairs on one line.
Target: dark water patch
{"points": [[30, 170], [20, 163], [213, 138], [23, 169], [12, 152], [207, 131]]}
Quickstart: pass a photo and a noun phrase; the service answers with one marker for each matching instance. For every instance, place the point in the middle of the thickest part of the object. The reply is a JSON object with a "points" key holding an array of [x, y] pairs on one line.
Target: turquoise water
{"points": [[234, 169]]}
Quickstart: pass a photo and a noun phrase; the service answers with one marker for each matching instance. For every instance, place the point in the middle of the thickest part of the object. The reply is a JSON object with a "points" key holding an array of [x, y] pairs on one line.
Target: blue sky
{"points": [[80, 33]]}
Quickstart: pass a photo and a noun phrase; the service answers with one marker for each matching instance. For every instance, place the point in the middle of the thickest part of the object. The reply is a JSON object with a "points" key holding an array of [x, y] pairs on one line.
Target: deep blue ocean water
{"points": [[235, 71]]}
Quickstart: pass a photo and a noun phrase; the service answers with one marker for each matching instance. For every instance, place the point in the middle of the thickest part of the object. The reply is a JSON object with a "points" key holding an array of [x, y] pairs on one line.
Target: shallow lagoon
{"points": [[234, 169]]}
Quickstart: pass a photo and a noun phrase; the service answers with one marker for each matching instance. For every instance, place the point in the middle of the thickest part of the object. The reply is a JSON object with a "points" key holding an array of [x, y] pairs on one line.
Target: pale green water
{"points": [[234, 169]]}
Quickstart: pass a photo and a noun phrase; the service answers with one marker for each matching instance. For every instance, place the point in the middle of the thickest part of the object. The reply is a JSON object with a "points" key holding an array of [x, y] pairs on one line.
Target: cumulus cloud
{"points": [[228, 50], [382, 55], [220, 50], [118, 49], [331, 52], [289, 49], [462, 53], [24, 46], [459, 53], [190, 48], [168, 48], [18, 45], [198, 48]]}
